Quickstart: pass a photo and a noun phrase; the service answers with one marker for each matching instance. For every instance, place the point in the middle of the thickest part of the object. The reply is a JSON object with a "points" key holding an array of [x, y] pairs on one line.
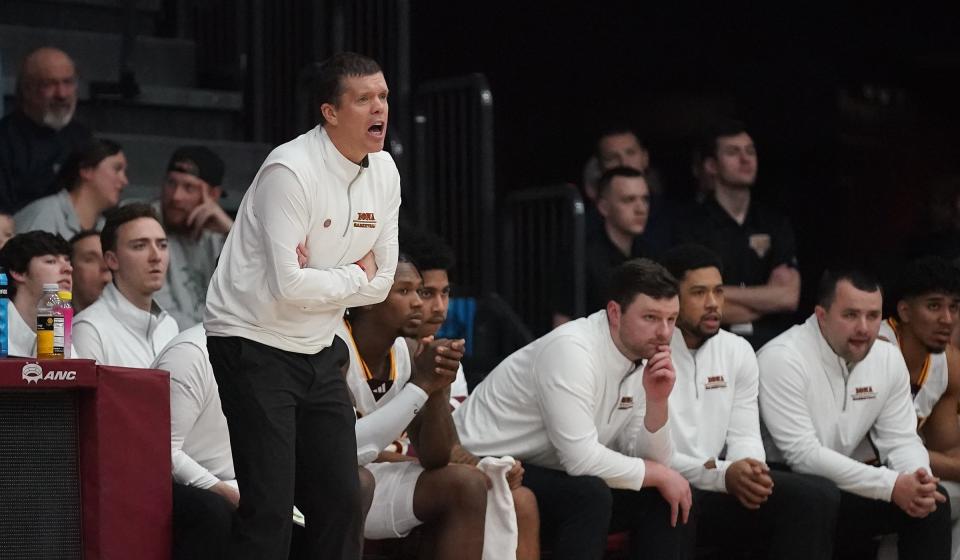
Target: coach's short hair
{"points": [[860, 279], [641, 276], [328, 82]]}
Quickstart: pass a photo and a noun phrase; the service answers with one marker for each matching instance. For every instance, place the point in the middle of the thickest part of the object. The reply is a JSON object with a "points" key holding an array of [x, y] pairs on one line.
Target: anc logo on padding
{"points": [[32, 373]]}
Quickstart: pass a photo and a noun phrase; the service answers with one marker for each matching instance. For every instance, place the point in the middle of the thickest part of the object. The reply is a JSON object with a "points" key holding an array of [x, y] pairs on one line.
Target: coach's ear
{"points": [[329, 112], [614, 314], [821, 313]]}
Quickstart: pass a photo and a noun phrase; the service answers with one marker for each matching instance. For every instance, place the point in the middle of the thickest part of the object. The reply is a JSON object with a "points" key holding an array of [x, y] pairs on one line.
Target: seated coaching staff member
{"points": [[270, 324], [582, 407], [825, 386]]}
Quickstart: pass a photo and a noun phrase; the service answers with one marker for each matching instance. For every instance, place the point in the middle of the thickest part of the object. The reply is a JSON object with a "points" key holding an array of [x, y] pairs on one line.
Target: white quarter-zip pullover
{"points": [[115, 332], [817, 412], [305, 190], [200, 440], [714, 404], [568, 401]]}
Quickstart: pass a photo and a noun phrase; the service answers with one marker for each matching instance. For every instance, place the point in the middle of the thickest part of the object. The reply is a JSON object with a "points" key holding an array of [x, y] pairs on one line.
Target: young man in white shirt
{"points": [[585, 409], [196, 226], [434, 259], [826, 386], [270, 324], [32, 259], [927, 306], [126, 327], [741, 505]]}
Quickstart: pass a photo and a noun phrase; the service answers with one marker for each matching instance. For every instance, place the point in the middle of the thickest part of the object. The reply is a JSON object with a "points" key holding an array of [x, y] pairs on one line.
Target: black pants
{"points": [[202, 522], [577, 513], [861, 519], [797, 521], [292, 432]]}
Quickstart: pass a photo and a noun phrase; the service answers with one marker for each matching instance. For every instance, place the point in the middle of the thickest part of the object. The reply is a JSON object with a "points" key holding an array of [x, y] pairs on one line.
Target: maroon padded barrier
{"points": [[124, 437]]}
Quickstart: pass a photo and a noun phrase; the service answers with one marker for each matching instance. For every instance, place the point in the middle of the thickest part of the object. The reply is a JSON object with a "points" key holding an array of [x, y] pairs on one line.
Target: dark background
{"points": [[854, 112]]}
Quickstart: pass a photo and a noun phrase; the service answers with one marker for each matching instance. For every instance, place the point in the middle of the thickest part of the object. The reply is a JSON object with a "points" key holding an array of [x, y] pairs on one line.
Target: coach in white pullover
{"points": [[580, 410], [270, 324], [825, 386], [740, 503]]}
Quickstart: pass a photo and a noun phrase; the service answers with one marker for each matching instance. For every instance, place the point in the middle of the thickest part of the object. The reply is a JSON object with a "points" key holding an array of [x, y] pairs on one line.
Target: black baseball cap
{"points": [[198, 161]]}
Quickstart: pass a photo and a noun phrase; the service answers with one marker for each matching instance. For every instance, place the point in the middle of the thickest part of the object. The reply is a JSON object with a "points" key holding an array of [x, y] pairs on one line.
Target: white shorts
{"points": [[391, 514]]}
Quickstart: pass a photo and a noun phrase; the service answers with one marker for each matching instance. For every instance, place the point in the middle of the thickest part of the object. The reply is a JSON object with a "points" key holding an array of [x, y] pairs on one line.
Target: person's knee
{"points": [[811, 496], [367, 486], [525, 505], [942, 515], [458, 487], [592, 495]]}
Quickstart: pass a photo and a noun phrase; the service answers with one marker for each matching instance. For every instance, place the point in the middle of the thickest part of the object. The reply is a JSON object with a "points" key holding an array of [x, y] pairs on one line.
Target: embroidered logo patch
{"points": [[365, 220], [861, 393], [760, 243], [715, 382], [625, 403]]}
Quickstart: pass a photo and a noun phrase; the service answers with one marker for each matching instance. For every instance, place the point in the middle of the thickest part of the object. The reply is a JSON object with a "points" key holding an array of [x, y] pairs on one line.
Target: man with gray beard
{"points": [[38, 136]]}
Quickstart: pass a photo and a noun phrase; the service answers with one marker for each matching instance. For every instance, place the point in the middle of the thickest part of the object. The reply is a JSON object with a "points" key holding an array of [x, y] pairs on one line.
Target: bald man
{"points": [[39, 135]]}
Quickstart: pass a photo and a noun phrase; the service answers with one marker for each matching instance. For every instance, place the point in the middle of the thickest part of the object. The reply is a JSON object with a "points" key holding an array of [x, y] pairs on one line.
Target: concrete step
{"points": [[157, 61], [147, 158], [90, 15]]}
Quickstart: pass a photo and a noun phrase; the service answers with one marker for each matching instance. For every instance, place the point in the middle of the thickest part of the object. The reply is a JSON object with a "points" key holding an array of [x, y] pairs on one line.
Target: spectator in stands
{"points": [[569, 406], [37, 137], [196, 228], [825, 387], [90, 272], [927, 307], [624, 203], [715, 422], [126, 327], [390, 377], [92, 179], [434, 259], [31, 260], [619, 146], [7, 228], [755, 243]]}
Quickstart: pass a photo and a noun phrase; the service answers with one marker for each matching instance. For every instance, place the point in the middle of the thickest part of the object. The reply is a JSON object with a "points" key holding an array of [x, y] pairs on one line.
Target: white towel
{"points": [[500, 531]]}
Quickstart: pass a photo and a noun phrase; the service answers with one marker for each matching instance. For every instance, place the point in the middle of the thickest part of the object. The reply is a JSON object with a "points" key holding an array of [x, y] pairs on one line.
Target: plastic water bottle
{"points": [[66, 310], [4, 317], [49, 325]]}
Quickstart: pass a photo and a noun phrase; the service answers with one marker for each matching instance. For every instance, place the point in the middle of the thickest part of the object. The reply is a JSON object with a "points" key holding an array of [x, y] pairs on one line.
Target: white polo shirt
{"points": [[568, 401], [714, 406], [817, 411], [200, 440], [115, 332]]}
